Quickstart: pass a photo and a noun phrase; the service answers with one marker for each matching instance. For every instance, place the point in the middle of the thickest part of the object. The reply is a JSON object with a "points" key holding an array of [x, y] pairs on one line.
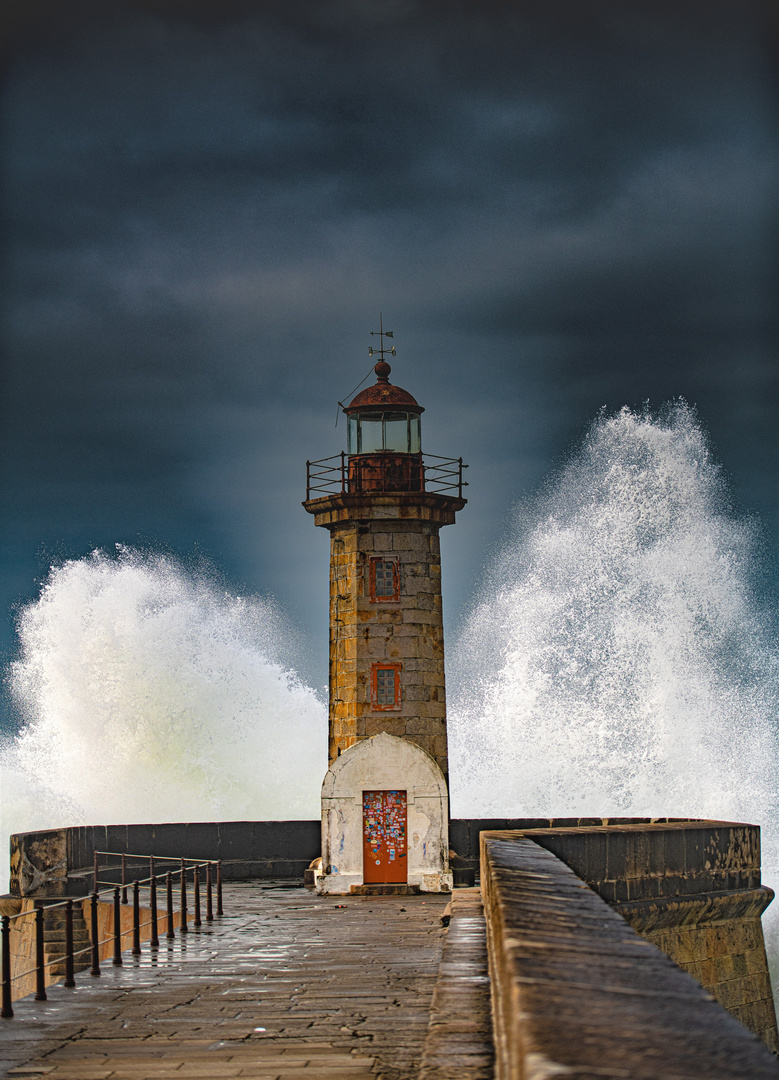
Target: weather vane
{"points": [[382, 333]]}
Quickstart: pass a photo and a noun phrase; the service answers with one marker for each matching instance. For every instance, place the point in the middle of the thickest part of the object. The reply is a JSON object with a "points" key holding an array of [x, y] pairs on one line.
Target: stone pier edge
{"points": [[575, 991]]}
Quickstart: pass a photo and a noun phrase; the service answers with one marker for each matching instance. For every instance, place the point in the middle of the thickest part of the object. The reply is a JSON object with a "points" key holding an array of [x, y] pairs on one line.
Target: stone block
{"points": [[424, 725], [405, 647], [434, 676], [416, 693], [431, 649], [755, 960], [439, 745], [388, 614], [717, 941], [707, 973], [729, 993], [423, 663], [392, 724], [426, 742], [725, 969], [347, 648], [383, 542], [415, 544]]}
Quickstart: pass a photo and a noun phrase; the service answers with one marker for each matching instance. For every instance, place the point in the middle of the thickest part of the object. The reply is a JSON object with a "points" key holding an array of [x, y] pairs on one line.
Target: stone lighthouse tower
{"points": [[385, 799]]}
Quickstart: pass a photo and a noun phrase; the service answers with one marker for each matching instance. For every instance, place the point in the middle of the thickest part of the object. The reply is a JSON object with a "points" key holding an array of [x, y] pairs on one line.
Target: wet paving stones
{"points": [[287, 984]]}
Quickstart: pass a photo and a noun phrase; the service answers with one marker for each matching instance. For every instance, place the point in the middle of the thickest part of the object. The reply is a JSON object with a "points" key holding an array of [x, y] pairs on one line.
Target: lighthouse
{"points": [[385, 804]]}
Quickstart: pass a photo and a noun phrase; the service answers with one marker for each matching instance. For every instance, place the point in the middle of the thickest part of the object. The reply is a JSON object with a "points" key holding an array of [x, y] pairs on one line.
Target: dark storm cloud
{"points": [[559, 205]]}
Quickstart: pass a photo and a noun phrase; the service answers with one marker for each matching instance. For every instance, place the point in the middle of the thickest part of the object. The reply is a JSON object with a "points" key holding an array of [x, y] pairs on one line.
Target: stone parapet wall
{"points": [[577, 992], [693, 888], [248, 849], [638, 860]]}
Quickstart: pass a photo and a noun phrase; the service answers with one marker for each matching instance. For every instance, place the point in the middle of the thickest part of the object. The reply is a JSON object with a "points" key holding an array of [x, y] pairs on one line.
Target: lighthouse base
{"points": [[385, 820]]}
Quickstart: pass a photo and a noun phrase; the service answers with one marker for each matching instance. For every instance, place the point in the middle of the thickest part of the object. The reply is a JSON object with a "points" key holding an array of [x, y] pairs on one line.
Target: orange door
{"points": [[384, 858]]}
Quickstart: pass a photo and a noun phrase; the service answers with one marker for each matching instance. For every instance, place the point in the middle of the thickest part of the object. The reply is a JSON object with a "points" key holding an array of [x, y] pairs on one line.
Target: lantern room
{"points": [[384, 441], [384, 418]]}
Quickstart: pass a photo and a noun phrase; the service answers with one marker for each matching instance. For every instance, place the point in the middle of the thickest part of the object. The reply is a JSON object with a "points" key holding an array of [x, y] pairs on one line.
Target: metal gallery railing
{"points": [[119, 893], [388, 472]]}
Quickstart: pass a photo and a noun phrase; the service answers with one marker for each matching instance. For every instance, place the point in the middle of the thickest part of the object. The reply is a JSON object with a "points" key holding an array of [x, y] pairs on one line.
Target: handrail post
{"points": [[6, 1010], [209, 902], [460, 476], [308, 480], [343, 472], [95, 968], [95, 868], [169, 900], [69, 979], [219, 887], [40, 970], [197, 921], [124, 878], [183, 929], [117, 928], [136, 918], [154, 941]]}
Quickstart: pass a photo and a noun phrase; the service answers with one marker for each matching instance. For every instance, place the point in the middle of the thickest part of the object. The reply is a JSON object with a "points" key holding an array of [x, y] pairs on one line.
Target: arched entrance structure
{"points": [[385, 809]]}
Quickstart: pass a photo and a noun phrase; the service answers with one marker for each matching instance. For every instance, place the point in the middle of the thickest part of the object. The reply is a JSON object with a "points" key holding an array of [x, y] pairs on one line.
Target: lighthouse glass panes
{"points": [[384, 580], [370, 436], [396, 432], [389, 431], [385, 686]]}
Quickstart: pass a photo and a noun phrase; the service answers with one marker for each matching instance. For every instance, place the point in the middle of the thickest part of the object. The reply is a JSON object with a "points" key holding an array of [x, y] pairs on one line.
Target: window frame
{"points": [[375, 669], [354, 428], [395, 563]]}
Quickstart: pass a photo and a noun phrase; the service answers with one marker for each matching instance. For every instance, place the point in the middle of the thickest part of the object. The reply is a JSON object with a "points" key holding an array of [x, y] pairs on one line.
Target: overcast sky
{"points": [[558, 206]]}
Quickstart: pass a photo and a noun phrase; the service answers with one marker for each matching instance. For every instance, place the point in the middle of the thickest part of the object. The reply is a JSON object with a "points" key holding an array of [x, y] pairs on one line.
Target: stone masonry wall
{"points": [[693, 888], [718, 939], [407, 631], [576, 992]]}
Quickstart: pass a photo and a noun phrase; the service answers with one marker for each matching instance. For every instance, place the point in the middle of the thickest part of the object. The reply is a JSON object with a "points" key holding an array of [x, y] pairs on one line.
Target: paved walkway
{"points": [[285, 985]]}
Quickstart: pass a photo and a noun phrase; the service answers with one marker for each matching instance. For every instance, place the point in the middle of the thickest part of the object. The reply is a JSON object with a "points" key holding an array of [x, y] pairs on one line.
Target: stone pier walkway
{"points": [[286, 985]]}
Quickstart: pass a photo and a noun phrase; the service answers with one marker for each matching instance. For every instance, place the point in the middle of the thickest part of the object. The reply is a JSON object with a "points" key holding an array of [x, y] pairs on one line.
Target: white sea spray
{"points": [[618, 660], [150, 694]]}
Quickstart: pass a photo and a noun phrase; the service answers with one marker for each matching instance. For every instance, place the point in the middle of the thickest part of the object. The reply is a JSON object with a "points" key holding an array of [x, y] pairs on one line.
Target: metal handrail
{"points": [[41, 907], [340, 474]]}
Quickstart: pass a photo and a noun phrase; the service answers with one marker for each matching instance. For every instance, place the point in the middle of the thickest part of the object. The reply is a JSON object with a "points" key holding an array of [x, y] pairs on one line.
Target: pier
{"points": [[632, 948], [286, 984]]}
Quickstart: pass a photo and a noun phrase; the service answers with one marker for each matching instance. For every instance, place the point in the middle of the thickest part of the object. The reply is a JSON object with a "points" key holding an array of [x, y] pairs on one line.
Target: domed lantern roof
{"points": [[383, 395]]}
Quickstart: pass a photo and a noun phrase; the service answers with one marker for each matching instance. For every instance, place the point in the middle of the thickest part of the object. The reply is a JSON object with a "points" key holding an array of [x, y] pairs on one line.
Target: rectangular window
{"points": [[385, 686], [385, 580]]}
